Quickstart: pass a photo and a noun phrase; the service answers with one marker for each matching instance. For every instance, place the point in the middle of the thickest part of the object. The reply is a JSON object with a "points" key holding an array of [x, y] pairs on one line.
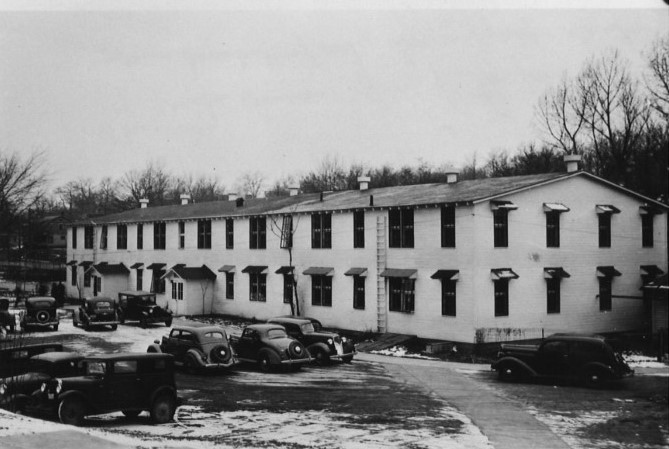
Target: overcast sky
{"points": [[227, 88]]}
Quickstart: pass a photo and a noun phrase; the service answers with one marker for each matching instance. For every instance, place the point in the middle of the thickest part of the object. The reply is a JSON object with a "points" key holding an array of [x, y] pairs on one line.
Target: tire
{"points": [[190, 364], [43, 316], [296, 350], [163, 408], [509, 373], [143, 323], [153, 350], [265, 363], [320, 357], [114, 327], [75, 323], [71, 411], [168, 322], [55, 328], [347, 359], [220, 354], [593, 378], [131, 414]]}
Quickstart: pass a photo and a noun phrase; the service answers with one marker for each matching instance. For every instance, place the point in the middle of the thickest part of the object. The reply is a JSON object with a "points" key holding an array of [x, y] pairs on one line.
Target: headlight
{"points": [[3, 389], [330, 341], [59, 386], [42, 388], [150, 311], [344, 339]]}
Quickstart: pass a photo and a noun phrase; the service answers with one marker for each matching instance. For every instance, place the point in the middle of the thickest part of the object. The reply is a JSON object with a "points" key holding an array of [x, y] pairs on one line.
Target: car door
{"points": [[554, 359], [125, 386], [248, 344]]}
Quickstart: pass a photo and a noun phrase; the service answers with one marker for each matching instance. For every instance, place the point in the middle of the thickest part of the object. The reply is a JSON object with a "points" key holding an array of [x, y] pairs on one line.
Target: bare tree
{"points": [[200, 189], [330, 175], [152, 183], [658, 84], [561, 114], [250, 184]]}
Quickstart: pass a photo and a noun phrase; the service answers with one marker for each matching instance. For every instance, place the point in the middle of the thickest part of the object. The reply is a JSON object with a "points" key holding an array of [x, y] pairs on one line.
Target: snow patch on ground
{"points": [[402, 351], [568, 424], [643, 361]]}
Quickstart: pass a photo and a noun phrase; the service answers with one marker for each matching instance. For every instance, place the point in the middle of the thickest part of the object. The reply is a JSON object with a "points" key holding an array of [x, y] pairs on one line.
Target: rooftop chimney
{"points": [[364, 182], [294, 190], [572, 161], [144, 203], [452, 175], [232, 197], [184, 199]]}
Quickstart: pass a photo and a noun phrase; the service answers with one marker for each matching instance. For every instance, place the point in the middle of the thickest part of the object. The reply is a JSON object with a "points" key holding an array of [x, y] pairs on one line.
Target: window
{"points": [[182, 235], [359, 231], [553, 229], [121, 237], [447, 297], [359, 292], [204, 234], [553, 295], [97, 285], [257, 233], [140, 236], [604, 294], [288, 288], [74, 237], [229, 233], [229, 285], [157, 283], [287, 232], [401, 228], [604, 230], [448, 227], [502, 297], [73, 274], [140, 279], [87, 277], [103, 237], [647, 230], [178, 291], [159, 236], [321, 290], [258, 287], [321, 231], [402, 293], [88, 237], [501, 228]]}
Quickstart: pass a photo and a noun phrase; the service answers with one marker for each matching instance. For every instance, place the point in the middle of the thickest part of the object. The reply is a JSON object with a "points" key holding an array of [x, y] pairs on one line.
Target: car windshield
{"points": [[307, 328], [102, 305], [147, 300], [95, 368], [41, 304], [276, 333], [214, 335]]}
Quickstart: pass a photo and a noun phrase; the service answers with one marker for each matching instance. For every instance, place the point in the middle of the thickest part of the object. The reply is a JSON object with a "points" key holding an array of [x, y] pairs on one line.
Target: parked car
{"points": [[41, 312], [585, 358], [15, 391], [7, 319], [269, 346], [322, 346], [197, 347], [15, 356], [126, 382], [97, 311], [141, 306], [318, 326]]}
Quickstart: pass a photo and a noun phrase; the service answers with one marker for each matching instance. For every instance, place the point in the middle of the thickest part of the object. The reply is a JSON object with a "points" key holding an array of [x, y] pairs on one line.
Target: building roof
{"points": [[192, 273], [111, 269], [461, 192]]}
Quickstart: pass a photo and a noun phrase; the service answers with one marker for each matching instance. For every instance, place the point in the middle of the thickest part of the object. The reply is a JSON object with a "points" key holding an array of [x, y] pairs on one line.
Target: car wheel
{"points": [[168, 322], [220, 354], [296, 350], [71, 411], [121, 319], [75, 323], [509, 373], [131, 413], [43, 316], [55, 328], [347, 359], [190, 364], [114, 327], [265, 363], [163, 408], [143, 323], [320, 357], [593, 378]]}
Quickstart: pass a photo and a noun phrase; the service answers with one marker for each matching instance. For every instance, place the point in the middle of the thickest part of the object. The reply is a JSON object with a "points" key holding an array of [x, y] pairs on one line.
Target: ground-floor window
{"points": [[230, 285], [178, 291], [140, 279], [157, 282], [73, 273], [321, 290], [87, 278], [402, 294], [288, 288], [258, 287], [605, 294], [502, 297], [359, 292], [553, 295], [97, 285], [447, 297]]}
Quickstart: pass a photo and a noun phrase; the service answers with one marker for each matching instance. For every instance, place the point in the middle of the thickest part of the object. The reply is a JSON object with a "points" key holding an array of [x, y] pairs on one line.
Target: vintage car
{"points": [[323, 346], [97, 311], [197, 347], [15, 356], [141, 306], [15, 390], [126, 382], [7, 319], [41, 312], [318, 326], [588, 359], [269, 346]]}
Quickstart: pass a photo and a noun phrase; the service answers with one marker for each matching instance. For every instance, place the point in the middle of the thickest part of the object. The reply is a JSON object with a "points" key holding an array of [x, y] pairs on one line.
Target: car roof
{"points": [[12, 346], [265, 326], [40, 298], [576, 336], [136, 293], [199, 329], [291, 320], [58, 356], [99, 299], [129, 355]]}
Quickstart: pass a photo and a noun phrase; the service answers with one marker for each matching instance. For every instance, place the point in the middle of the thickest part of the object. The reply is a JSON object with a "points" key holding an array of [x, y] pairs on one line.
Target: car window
{"points": [[214, 335], [95, 368], [276, 333], [23, 354], [249, 333], [186, 336], [40, 304], [556, 348], [125, 366], [307, 328], [103, 305], [175, 333]]}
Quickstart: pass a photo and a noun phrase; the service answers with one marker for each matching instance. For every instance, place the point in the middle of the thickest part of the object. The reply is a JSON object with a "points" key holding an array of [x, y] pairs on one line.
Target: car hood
{"points": [[24, 378]]}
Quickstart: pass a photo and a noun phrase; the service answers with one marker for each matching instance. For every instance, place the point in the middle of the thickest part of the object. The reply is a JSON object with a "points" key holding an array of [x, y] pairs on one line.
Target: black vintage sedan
{"points": [[97, 311], [269, 346], [41, 312]]}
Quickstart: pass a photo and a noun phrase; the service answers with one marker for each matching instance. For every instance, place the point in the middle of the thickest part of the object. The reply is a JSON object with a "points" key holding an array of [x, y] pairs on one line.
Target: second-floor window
{"points": [[287, 232], [140, 236], [257, 233], [359, 229], [74, 237], [321, 231], [604, 230], [401, 228], [121, 237], [500, 219], [182, 234], [88, 237], [204, 234], [552, 229], [448, 227], [103, 237], [229, 233], [159, 236]]}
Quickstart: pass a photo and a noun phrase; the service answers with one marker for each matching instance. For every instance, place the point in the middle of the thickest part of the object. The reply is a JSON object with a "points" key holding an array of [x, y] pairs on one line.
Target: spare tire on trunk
{"points": [[220, 354]]}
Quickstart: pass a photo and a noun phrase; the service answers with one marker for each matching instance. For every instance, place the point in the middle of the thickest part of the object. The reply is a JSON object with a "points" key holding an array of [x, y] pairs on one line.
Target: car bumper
{"points": [[102, 323], [39, 323], [296, 361], [343, 356], [213, 366]]}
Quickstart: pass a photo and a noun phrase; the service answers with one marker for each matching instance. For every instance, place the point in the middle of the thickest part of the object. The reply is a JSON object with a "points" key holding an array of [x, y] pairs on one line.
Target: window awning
{"points": [[356, 271], [607, 272], [555, 273], [106, 269], [399, 273], [502, 205], [555, 207], [652, 270], [661, 283], [285, 270], [498, 274], [607, 209], [136, 265], [260, 269], [319, 271], [71, 262], [446, 275], [227, 269], [157, 266], [191, 273], [85, 263], [649, 210]]}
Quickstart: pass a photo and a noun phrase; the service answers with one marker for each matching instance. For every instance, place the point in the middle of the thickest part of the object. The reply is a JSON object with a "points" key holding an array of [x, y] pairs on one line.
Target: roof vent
{"points": [[184, 199], [294, 190], [144, 203], [364, 182], [232, 197], [451, 175], [572, 161]]}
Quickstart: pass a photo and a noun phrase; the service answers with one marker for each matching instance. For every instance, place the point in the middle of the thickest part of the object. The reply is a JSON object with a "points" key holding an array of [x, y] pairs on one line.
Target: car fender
{"points": [[318, 346], [74, 394], [163, 390], [598, 366], [155, 348], [273, 355], [515, 362], [197, 355]]}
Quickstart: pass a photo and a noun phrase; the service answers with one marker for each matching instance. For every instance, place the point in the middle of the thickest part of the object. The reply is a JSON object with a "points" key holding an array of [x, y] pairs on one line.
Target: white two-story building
{"points": [[466, 261]]}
